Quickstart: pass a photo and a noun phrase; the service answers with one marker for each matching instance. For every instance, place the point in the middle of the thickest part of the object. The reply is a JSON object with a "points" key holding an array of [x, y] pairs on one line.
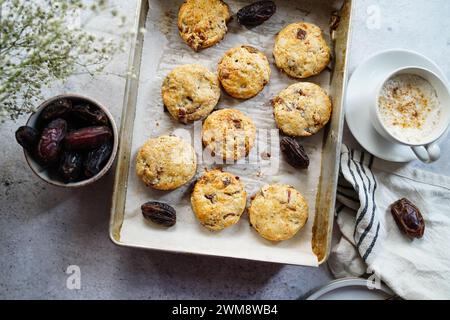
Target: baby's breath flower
{"points": [[38, 45]]}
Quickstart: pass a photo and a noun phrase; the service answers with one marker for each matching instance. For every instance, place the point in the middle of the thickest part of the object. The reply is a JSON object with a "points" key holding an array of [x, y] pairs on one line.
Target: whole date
{"points": [[256, 13], [295, 154], [96, 159], [87, 138], [159, 213], [58, 109], [90, 115], [408, 218], [71, 166], [28, 138], [51, 139]]}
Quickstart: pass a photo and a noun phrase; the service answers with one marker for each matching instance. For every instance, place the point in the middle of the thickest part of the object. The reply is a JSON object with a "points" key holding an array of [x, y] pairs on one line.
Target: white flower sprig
{"points": [[39, 45]]}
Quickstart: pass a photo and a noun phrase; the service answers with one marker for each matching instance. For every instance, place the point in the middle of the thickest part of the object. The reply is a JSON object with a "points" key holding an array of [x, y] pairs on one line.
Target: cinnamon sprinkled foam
{"points": [[409, 108]]}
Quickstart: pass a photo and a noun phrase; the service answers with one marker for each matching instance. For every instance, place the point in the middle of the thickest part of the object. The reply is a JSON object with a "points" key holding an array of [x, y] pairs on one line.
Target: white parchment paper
{"points": [[164, 50]]}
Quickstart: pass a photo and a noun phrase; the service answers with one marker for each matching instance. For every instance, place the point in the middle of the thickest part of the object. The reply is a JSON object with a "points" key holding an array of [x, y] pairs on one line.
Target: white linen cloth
{"points": [[371, 241]]}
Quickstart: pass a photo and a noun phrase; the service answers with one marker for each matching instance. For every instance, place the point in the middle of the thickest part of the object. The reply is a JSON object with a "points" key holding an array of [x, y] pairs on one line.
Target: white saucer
{"points": [[351, 289], [357, 114]]}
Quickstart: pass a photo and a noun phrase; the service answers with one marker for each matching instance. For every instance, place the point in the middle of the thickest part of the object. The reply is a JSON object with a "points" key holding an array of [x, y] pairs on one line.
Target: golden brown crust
{"points": [[243, 72], [228, 133], [302, 109], [300, 50], [218, 199], [278, 212], [166, 162], [190, 92], [203, 23]]}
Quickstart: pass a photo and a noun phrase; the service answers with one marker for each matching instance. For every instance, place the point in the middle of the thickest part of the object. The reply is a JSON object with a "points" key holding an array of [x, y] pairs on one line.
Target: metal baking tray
{"points": [[338, 12]]}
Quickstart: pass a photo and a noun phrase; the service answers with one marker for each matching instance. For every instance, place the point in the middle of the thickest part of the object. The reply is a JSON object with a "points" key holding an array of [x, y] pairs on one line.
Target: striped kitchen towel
{"points": [[370, 241]]}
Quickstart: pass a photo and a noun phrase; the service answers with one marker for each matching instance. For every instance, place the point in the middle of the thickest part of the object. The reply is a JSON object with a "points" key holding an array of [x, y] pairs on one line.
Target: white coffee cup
{"points": [[427, 150]]}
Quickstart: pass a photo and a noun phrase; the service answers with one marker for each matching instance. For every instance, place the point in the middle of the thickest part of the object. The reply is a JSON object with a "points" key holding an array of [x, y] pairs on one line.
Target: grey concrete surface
{"points": [[44, 229]]}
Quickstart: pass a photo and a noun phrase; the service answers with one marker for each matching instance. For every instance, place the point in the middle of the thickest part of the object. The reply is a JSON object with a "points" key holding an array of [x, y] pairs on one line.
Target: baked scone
{"points": [[166, 162], [243, 72], [300, 50], [190, 92], [203, 23], [302, 109], [278, 212], [228, 133], [218, 199]]}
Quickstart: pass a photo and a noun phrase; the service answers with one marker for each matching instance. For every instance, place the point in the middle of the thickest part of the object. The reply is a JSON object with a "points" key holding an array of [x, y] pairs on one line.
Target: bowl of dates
{"points": [[69, 141]]}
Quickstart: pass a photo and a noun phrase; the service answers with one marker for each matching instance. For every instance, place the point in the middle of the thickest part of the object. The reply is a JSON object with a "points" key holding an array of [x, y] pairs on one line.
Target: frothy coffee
{"points": [[409, 108]]}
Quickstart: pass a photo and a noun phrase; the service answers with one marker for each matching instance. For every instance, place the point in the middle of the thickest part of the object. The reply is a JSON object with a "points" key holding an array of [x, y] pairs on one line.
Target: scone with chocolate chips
{"points": [[278, 212], [166, 162], [190, 92], [218, 199], [302, 109], [300, 50], [243, 72], [228, 133], [203, 23]]}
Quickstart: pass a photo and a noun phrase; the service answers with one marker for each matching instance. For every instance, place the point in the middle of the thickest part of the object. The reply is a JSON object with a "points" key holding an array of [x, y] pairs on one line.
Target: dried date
{"points": [[28, 138], [71, 166], [211, 197], [96, 159], [301, 34], [295, 154], [226, 181], [256, 13], [87, 138], [58, 109], [408, 218], [159, 213], [50, 143], [90, 115]]}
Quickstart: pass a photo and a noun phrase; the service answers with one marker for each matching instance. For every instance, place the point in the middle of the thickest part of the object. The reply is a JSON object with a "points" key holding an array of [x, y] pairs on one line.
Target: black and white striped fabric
{"points": [[356, 192], [370, 241]]}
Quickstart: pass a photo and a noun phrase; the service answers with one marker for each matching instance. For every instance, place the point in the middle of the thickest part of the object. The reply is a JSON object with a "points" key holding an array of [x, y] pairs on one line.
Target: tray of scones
{"points": [[231, 129]]}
